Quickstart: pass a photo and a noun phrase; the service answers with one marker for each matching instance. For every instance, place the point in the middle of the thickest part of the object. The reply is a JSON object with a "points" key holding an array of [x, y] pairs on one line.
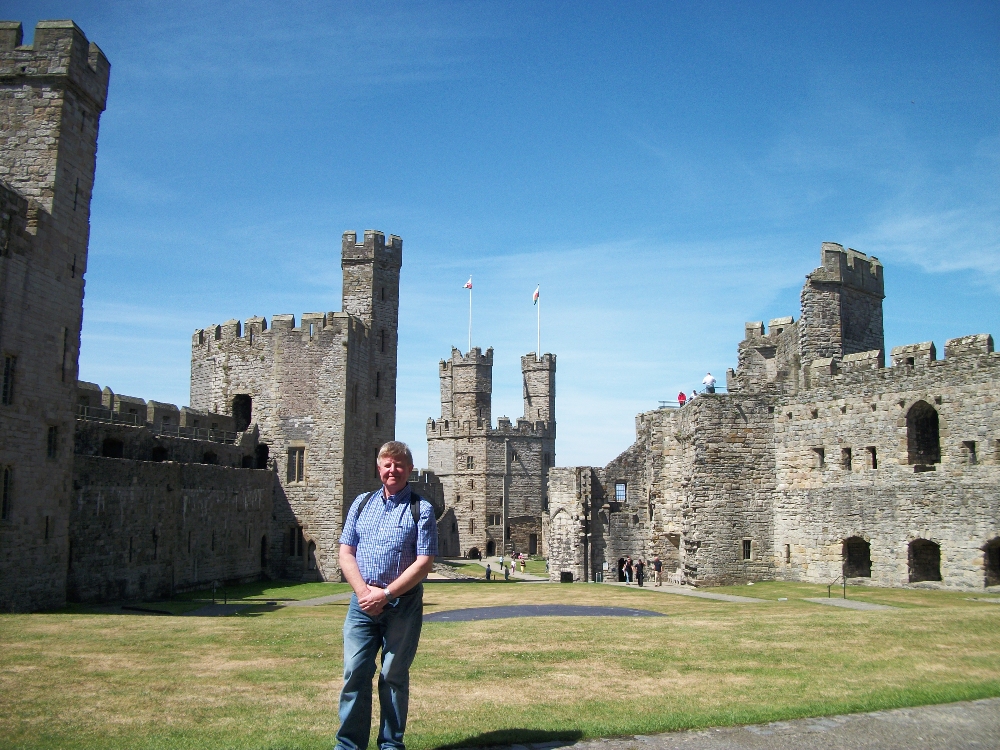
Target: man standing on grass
{"points": [[386, 550]]}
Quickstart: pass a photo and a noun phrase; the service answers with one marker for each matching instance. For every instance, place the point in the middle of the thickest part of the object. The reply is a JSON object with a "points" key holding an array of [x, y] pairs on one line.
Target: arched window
{"points": [[242, 408], [923, 441], [924, 560], [857, 558]]}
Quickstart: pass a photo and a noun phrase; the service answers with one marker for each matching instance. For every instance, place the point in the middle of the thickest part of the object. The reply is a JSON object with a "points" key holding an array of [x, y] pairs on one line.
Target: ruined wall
{"points": [[143, 530], [866, 485], [51, 98], [570, 525]]}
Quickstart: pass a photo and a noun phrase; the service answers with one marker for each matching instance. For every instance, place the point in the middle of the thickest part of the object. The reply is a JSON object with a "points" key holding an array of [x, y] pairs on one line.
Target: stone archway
{"points": [[857, 558], [924, 561], [491, 548], [991, 561], [474, 554]]}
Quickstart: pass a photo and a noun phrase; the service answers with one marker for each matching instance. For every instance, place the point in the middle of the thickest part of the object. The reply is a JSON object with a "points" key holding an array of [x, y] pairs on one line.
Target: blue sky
{"points": [[665, 171]]}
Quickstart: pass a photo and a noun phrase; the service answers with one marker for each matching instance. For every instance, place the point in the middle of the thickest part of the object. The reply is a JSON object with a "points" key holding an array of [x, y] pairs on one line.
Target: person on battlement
{"points": [[681, 398], [709, 382], [386, 551]]}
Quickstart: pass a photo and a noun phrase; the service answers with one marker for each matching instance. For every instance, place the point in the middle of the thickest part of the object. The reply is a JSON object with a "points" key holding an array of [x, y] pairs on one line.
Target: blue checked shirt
{"points": [[385, 537]]}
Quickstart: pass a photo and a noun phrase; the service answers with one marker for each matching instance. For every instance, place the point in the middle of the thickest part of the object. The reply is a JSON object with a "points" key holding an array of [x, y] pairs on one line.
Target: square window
{"points": [[872, 457], [820, 458]]}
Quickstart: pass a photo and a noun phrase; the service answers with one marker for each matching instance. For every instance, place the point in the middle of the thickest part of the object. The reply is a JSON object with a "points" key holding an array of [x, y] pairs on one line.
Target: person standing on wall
{"points": [[709, 382], [386, 550]]}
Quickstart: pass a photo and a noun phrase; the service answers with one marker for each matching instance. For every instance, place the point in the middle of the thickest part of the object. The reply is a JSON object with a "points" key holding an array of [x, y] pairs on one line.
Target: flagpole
{"points": [[470, 319], [538, 343]]}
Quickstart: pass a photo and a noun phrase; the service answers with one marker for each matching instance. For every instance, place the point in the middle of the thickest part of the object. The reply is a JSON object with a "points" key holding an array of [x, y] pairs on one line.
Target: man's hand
{"points": [[374, 601]]}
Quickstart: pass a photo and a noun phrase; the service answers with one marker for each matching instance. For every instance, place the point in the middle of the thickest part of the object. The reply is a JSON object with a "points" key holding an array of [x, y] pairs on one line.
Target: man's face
{"points": [[394, 473]]}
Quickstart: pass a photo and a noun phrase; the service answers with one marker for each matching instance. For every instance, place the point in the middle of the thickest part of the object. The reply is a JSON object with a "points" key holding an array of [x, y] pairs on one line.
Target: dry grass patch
{"points": [[271, 680]]}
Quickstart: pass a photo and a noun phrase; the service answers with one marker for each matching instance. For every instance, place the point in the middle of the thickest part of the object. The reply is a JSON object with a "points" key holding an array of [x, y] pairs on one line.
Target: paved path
{"points": [[217, 610], [849, 603], [320, 600], [953, 726], [684, 591], [535, 610]]}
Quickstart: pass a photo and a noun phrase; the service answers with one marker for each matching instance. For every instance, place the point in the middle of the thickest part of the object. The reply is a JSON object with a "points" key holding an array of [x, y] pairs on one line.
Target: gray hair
{"points": [[396, 449]]}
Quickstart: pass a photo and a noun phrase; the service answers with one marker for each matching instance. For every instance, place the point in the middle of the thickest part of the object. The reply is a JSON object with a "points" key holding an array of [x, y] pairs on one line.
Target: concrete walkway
{"points": [[955, 726], [849, 604], [685, 591]]}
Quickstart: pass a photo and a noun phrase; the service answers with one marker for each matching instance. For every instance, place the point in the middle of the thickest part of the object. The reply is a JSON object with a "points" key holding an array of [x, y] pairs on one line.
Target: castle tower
{"points": [[52, 94], [842, 306], [539, 379], [467, 387], [371, 294]]}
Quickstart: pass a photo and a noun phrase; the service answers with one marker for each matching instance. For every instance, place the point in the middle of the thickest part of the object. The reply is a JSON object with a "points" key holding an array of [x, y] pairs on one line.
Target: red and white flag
{"points": [[468, 284], [534, 297]]}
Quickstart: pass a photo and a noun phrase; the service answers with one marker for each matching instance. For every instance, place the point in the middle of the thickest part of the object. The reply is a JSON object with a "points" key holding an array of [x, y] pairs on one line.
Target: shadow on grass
{"points": [[516, 736]]}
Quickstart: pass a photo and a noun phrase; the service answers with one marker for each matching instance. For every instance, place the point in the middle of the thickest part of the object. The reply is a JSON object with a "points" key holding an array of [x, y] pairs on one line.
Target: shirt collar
{"points": [[402, 496]]}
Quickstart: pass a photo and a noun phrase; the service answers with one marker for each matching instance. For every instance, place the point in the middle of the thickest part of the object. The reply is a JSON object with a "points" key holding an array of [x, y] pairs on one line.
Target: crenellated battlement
{"points": [[59, 50], [475, 356], [850, 268], [373, 247], [754, 330], [256, 330]]}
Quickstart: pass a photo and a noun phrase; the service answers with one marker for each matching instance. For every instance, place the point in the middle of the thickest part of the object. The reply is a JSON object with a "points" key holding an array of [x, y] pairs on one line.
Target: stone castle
{"points": [[107, 496], [492, 478], [823, 460]]}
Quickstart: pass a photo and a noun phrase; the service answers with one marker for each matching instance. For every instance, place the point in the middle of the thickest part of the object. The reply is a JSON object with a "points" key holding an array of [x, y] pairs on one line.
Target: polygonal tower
{"points": [[52, 94]]}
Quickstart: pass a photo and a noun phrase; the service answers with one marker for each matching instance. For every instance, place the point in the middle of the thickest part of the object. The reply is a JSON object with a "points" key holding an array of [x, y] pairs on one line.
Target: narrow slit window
{"points": [[819, 458], [52, 447], [9, 365], [747, 548], [469, 462], [296, 464], [6, 492], [845, 459]]}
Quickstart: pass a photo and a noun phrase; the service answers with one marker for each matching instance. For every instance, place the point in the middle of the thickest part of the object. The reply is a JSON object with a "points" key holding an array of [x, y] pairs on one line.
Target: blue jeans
{"points": [[396, 631]]}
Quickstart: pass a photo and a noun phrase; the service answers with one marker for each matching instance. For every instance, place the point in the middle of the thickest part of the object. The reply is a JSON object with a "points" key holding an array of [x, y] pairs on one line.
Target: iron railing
{"points": [[834, 582], [103, 414]]}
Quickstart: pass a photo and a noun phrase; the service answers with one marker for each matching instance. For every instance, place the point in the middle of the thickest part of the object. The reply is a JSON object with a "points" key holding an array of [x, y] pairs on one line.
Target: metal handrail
{"points": [[829, 586], [103, 414]]}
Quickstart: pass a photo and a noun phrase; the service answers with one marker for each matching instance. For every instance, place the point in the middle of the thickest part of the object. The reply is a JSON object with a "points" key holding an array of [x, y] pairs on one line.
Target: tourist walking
{"points": [[657, 571], [489, 571], [640, 571], [628, 571], [386, 610]]}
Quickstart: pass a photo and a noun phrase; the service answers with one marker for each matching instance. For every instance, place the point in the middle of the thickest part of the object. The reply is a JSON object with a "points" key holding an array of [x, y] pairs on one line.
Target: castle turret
{"points": [[371, 293], [467, 386], [842, 306], [539, 379]]}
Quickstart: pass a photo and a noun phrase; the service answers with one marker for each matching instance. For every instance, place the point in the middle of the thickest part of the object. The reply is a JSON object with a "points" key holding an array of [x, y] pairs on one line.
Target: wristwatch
{"points": [[388, 594]]}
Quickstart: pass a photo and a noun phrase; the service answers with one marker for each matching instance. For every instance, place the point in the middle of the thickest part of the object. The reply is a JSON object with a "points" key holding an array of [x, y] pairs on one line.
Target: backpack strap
{"points": [[364, 502], [414, 505], [415, 508]]}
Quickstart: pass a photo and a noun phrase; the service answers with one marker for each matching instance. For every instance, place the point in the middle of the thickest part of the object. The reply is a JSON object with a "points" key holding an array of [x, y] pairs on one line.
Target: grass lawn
{"points": [[271, 679]]}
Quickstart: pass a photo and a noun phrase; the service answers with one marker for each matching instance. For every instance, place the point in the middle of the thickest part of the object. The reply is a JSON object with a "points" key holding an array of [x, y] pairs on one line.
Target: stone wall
{"points": [[819, 462], [51, 97], [322, 394], [144, 530]]}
